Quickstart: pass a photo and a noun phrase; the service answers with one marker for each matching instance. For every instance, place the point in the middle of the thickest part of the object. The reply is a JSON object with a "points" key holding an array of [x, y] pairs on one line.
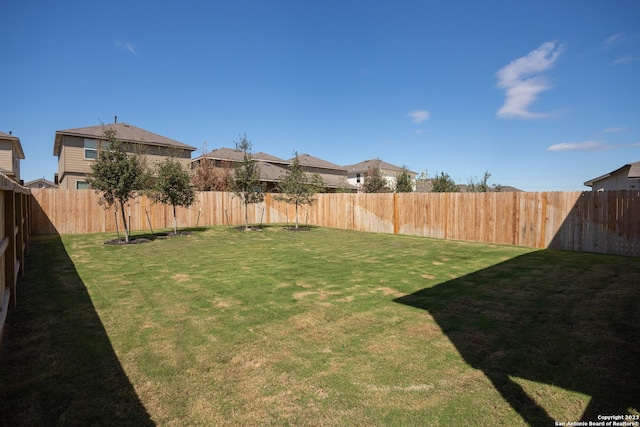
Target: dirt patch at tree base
{"points": [[146, 238], [249, 228]]}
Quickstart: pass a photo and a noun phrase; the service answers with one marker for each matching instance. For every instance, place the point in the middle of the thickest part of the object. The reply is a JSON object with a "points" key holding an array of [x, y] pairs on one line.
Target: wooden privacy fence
{"points": [[14, 228], [604, 222]]}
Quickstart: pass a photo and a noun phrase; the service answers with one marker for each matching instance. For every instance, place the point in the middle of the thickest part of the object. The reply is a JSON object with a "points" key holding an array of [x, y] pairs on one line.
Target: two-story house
{"points": [[76, 149], [10, 155]]}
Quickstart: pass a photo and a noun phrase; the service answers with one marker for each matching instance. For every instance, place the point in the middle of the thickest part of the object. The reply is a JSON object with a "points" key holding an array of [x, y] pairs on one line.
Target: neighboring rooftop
{"points": [[314, 162], [237, 156], [40, 183], [634, 173], [367, 164], [124, 132]]}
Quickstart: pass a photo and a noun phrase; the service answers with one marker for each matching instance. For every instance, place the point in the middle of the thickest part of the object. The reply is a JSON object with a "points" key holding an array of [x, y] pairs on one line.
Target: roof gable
{"points": [[367, 164], [632, 173], [15, 141], [124, 132]]}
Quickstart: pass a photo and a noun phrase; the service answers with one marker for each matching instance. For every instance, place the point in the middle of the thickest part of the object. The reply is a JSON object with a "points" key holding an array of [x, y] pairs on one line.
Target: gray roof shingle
{"points": [[314, 162]]}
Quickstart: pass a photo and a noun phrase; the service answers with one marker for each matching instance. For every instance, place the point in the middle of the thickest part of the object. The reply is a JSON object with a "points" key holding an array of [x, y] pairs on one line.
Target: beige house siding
{"points": [[71, 179], [6, 155], [72, 159], [155, 154], [10, 159]]}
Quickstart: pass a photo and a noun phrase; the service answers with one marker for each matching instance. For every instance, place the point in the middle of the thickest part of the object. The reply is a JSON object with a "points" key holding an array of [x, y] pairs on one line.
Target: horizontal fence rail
{"points": [[604, 222]]}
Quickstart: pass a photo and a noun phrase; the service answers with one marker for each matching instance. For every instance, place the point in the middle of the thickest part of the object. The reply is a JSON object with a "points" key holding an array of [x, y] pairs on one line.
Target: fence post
{"points": [[396, 215]]}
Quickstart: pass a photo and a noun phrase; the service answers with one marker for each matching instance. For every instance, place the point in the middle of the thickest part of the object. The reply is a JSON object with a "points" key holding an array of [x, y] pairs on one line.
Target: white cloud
{"points": [[613, 40], [130, 47], [522, 82], [578, 146], [626, 59], [419, 116], [614, 130]]}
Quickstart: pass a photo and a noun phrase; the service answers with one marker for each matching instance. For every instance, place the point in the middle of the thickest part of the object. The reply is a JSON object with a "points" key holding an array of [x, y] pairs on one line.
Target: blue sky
{"points": [[542, 94]]}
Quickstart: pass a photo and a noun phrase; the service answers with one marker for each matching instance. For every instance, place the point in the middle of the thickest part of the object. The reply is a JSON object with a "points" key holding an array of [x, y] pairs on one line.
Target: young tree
{"points": [[298, 188], [403, 181], [374, 180], [209, 177], [479, 187], [423, 183], [172, 186], [343, 185], [117, 175], [444, 184], [246, 182]]}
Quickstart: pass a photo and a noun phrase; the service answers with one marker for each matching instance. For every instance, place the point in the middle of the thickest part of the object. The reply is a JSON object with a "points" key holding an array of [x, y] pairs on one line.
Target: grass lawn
{"points": [[321, 327]]}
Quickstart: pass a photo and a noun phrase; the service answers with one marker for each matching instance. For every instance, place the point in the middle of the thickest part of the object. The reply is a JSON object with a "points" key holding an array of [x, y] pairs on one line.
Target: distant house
{"points": [[273, 169], [625, 178], [357, 172], [77, 148], [335, 177], [40, 183], [10, 155]]}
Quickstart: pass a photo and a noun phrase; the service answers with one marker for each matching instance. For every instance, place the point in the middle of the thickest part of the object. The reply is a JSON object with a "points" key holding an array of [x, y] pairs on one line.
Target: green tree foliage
{"points": [[246, 182], [403, 181], [117, 175], [299, 188], [483, 186], [374, 180], [443, 183], [172, 186]]}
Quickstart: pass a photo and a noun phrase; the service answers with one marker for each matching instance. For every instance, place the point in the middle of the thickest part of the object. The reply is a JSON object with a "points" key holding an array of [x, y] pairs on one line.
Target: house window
{"points": [[90, 149], [81, 185], [358, 178]]}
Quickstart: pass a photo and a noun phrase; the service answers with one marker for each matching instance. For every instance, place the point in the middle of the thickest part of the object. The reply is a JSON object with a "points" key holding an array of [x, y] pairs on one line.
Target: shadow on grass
{"points": [[559, 318], [57, 363]]}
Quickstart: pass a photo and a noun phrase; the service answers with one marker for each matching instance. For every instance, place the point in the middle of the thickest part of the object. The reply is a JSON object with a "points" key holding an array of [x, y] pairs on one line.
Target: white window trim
{"points": [[90, 149]]}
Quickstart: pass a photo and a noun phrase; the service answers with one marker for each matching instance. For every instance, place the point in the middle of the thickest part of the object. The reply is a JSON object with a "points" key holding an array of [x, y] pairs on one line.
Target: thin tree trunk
{"points": [[246, 215], [124, 221], [296, 216], [175, 221]]}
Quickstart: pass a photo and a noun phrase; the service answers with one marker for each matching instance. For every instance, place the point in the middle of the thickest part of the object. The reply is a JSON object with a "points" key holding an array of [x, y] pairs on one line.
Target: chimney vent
{"points": [[115, 119], [10, 132]]}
